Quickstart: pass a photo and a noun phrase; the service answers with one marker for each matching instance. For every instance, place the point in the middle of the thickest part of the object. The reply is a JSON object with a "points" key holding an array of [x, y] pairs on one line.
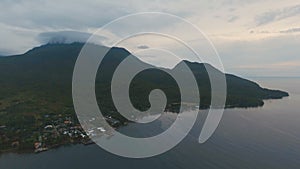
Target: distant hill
{"points": [[39, 81]]}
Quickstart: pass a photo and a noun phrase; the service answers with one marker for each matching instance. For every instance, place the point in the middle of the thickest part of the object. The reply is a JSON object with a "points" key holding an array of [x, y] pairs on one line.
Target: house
{"points": [[67, 122], [113, 122], [101, 129], [48, 127], [15, 144], [37, 145]]}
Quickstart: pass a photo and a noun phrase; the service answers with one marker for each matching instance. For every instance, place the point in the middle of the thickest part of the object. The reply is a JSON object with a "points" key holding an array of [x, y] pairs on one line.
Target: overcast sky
{"points": [[252, 37]]}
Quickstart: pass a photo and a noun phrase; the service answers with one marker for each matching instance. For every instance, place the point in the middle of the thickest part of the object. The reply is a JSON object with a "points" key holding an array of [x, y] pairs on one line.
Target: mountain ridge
{"points": [[63, 56], [36, 90]]}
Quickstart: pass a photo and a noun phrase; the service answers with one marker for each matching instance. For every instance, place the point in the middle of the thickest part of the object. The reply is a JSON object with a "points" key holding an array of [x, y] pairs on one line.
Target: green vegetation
{"points": [[36, 90]]}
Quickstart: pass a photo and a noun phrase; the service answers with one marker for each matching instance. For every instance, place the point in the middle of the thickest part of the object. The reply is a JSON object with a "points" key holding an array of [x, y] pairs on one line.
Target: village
{"points": [[54, 131], [67, 130]]}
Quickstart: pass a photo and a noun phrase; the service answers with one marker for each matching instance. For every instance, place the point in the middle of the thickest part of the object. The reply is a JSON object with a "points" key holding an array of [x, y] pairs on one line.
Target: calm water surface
{"points": [[256, 138]]}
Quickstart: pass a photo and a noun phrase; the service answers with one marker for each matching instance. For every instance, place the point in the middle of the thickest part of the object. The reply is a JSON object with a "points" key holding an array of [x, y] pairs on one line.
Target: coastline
{"points": [[89, 141]]}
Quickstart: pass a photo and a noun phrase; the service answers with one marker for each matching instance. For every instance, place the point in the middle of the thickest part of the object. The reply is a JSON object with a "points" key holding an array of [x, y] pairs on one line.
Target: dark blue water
{"points": [[256, 138]]}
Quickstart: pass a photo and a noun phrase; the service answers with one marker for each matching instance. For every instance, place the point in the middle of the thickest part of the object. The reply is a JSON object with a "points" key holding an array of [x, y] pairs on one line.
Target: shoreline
{"points": [[86, 142]]}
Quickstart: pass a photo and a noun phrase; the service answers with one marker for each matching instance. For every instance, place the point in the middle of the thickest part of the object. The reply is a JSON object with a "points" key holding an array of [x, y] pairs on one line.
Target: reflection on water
{"points": [[255, 138]]}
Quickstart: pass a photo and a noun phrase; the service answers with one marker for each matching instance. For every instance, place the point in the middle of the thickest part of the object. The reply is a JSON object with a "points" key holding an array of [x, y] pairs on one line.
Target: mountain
{"points": [[36, 91], [39, 81]]}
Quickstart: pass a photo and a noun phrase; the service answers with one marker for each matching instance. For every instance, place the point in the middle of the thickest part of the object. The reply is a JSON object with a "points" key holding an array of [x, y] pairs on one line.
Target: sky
{"points": [[252, 37]]}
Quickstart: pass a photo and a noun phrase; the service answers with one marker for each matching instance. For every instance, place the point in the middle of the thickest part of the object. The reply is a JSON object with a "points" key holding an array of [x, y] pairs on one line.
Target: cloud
{"points": [[292, 30], [278, 65], [143, 47], [25, 24], [238, 2], [286, 31], [231, 9], [65, 37], [276, 15], [232, 19], [77, 14], [16, 40], [264, 57], [260, 32], [69, 14], [4, 52]]}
